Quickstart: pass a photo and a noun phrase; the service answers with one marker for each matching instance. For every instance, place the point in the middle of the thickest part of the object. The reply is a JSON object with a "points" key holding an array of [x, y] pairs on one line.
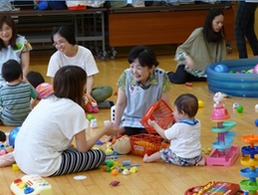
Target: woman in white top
{"points": [[13, 46], [68, 53], [48, 131]]}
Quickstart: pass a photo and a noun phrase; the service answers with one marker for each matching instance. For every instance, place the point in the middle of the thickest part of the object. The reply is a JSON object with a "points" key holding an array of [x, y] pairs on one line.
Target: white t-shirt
{"points": [[46, 133], [83, 59], [185, 139]]}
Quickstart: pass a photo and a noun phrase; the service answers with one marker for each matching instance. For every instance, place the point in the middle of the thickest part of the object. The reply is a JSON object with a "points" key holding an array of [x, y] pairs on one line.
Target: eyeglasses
{"points": [[61, 42]]}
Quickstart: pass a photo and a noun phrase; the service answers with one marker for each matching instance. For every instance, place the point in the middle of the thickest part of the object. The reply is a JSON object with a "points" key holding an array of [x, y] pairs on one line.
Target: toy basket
{"points": [[145, 143], [161, 113]]}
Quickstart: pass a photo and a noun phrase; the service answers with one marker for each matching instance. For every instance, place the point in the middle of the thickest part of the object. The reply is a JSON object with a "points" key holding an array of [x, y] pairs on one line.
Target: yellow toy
{"points": [[32, 185], [15, 167]]}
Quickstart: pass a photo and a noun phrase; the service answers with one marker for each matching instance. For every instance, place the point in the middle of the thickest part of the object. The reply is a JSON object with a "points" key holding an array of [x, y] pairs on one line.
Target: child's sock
{"points": [[106, 104]]}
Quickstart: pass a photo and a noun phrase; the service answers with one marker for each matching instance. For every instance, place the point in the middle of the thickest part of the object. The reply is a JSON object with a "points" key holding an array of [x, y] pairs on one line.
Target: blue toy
{"points": [[256, 122], [243, 85], [221, 68], [12, 136]]}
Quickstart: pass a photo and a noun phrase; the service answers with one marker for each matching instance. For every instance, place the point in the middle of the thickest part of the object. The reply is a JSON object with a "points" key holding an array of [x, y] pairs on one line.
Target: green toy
{"points": [[90, 117]]}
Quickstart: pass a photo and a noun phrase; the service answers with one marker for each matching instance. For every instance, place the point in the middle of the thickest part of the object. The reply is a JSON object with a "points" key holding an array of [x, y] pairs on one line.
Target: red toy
{"points": [[145, 143], [215, 188], [90, 106], [161, 113]]}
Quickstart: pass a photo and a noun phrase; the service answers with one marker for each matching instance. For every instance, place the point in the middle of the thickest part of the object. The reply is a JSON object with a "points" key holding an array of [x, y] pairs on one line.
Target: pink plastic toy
{"points": [[256, 69], [224, 153], [2, 152]]}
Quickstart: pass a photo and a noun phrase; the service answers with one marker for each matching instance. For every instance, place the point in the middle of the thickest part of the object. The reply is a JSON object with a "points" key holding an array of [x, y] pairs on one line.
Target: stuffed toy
{"points": [[90, 106], [122, 145]]}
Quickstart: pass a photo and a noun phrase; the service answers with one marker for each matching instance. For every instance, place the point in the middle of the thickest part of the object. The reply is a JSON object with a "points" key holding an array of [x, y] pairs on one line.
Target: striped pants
{"points": [[244, 27], [74, 161]]}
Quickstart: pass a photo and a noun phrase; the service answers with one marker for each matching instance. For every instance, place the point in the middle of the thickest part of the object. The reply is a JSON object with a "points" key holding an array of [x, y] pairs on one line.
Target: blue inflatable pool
{"points": [[244, 85]]}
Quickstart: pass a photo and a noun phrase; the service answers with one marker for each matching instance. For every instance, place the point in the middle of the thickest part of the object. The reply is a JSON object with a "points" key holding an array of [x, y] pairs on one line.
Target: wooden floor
{"points": [[152, 178]]}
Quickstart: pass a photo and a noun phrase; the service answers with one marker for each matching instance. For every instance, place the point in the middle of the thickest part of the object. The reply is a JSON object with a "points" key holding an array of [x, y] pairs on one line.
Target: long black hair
{"points": [[10, 22], [208, 32]]}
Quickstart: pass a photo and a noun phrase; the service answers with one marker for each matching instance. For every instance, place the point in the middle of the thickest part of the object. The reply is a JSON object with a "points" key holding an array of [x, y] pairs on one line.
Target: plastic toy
{"points": [[256, 106], [200, 104], [112, 110], [242, 85], [206, 151], [3, 152], [114, 172], [126, 172], [114, 183], [256, 122], [189, 84], [15, 167], [32, 185], [164, 145], [224, 153], [145, 143], [255, 69], [249, 159], [215, 188], [161, 113], [99, 142], [133, 170], [90, 106], [240, 109], [235, 105], [90, 117], [93, 123], [13, 135], [222, 68]]}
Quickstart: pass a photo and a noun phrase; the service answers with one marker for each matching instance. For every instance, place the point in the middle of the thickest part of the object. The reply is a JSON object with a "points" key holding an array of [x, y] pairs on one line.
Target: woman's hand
{"points": [[189, 62], [112, 130], [91, 98]]}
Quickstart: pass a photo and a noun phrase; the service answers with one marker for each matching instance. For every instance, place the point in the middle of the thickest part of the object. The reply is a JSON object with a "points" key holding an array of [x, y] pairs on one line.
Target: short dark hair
{"points": [[187, 103], [10, 22], [65, 32], [11, 70], [208, 32], [69, 82], [145, 56], [35, 78]]}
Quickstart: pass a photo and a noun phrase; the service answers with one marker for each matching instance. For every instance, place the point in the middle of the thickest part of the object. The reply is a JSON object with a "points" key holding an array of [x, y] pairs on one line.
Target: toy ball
{"points": [[114, 172], [221, 68], [256, 122], [200, 104], [104, 167], [2, 152], [255, 69], [240, 109], [256, 106], [231, 71], [12, 136]]}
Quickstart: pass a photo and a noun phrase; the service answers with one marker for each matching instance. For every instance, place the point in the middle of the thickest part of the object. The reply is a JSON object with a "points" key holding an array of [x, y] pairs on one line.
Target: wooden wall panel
{"points": [[153, 28]]}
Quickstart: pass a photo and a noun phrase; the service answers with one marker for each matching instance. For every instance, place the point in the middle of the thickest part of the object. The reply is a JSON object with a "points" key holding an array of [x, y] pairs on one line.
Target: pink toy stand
{"points": [[224, 153], [226, 159]]}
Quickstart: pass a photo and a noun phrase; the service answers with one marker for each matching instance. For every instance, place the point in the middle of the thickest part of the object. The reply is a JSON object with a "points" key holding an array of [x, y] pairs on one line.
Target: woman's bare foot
{"points": [[201, 162]]}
